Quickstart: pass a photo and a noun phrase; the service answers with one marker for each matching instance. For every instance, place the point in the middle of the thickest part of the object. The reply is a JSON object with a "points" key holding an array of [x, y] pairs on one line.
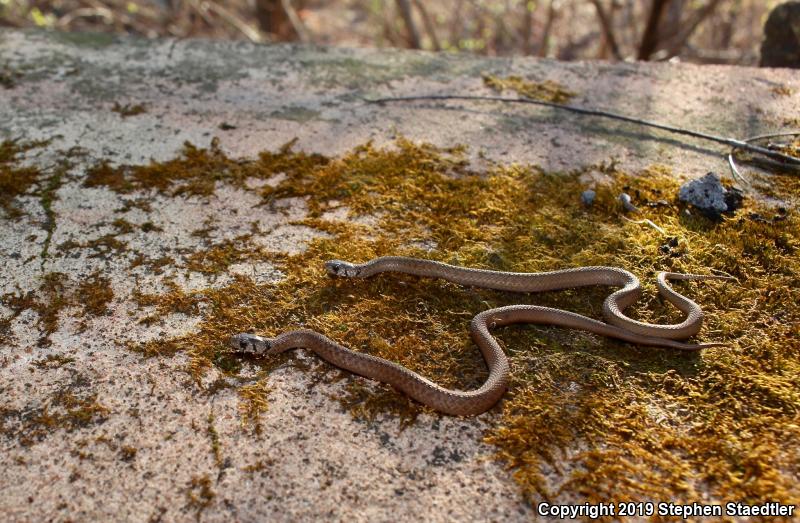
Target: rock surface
{"points": [[144, 445]]}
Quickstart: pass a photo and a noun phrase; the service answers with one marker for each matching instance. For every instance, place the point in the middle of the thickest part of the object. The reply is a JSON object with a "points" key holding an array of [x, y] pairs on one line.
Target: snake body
{"points": [[477, 401]]}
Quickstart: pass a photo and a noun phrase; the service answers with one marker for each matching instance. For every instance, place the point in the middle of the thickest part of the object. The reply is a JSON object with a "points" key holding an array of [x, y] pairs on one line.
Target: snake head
{"points": [[341, 269], [248, 343]]}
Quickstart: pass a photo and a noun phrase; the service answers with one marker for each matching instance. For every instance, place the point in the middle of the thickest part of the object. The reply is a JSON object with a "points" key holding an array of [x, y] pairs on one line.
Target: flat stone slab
{"points": [[136, 441]]}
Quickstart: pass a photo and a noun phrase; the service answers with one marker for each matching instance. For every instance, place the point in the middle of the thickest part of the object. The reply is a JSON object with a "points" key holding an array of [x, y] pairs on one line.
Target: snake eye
{"points": [[334, 268]]}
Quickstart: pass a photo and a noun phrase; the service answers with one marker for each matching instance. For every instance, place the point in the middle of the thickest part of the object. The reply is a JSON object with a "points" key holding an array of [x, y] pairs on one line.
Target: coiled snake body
{"points": [[483, 398]]}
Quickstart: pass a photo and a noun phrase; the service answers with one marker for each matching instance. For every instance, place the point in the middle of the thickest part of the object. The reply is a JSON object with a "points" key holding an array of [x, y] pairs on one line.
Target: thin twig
{"points": [[731, 142]]}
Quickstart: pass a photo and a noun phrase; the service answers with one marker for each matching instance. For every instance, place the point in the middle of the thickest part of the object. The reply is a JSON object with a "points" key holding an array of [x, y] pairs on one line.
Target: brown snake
{"points": [[476, 401]]}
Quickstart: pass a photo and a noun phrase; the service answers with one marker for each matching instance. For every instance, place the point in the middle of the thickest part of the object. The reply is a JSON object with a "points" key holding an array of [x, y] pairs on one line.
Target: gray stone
{"points": [[781, 45], [709, 196], [587, 197]]}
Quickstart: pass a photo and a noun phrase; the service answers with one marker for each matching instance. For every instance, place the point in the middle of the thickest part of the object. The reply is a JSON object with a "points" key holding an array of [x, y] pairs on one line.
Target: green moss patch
{"points": [[126, 110], [15, 180], [56, 293], [53, 361], [621, 421], [547, 91], [47, 301], [653, 423], [69, 409], [199, 494], [94, 294]]}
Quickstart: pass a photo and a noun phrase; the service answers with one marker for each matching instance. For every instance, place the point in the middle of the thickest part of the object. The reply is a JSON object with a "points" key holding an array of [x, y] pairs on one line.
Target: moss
{"points": [[156, 266], [199, 494], [103, 174], [253, 403], [94, 294], [151, 227], [48, 301], [157, 348], [217, 259], [14, 179], [653, 423], [53, 361], [259, 466], [128, 453], [65, 410], [55, 294], [782, 90], [8, 76], [123, 226], [128, 109], [547, 91], [103, 247], [46, 198], [568, 389], [93, 40], [213, 437]]}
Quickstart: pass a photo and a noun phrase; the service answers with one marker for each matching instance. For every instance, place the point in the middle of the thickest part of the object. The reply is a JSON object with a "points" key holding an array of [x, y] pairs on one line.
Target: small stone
{"points": [[625, 198], [710, 197], [587, 197]]}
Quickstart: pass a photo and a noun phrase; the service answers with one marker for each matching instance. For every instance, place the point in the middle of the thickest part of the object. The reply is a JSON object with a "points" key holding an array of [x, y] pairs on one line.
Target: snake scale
{"points": [[473, 402]]}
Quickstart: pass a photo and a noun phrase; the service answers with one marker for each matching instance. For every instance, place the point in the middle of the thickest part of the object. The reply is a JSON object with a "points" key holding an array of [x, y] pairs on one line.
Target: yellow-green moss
{"points": [[199, 494], [94, 294], [53, 361], [258, 466], [47, 301], [653, 423], [55, 293], [128, 453], [65, 410], [253, 402], [216, 259], [547, 91], [15, 180], [782, 90], [194, 173], [102, 247], [47, 195], [8, 76], [127, 110], [568, 389], [213, 437]]}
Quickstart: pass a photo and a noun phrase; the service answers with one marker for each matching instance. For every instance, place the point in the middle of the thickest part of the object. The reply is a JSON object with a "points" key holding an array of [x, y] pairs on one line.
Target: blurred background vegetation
{"points": [[700, 31]]}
